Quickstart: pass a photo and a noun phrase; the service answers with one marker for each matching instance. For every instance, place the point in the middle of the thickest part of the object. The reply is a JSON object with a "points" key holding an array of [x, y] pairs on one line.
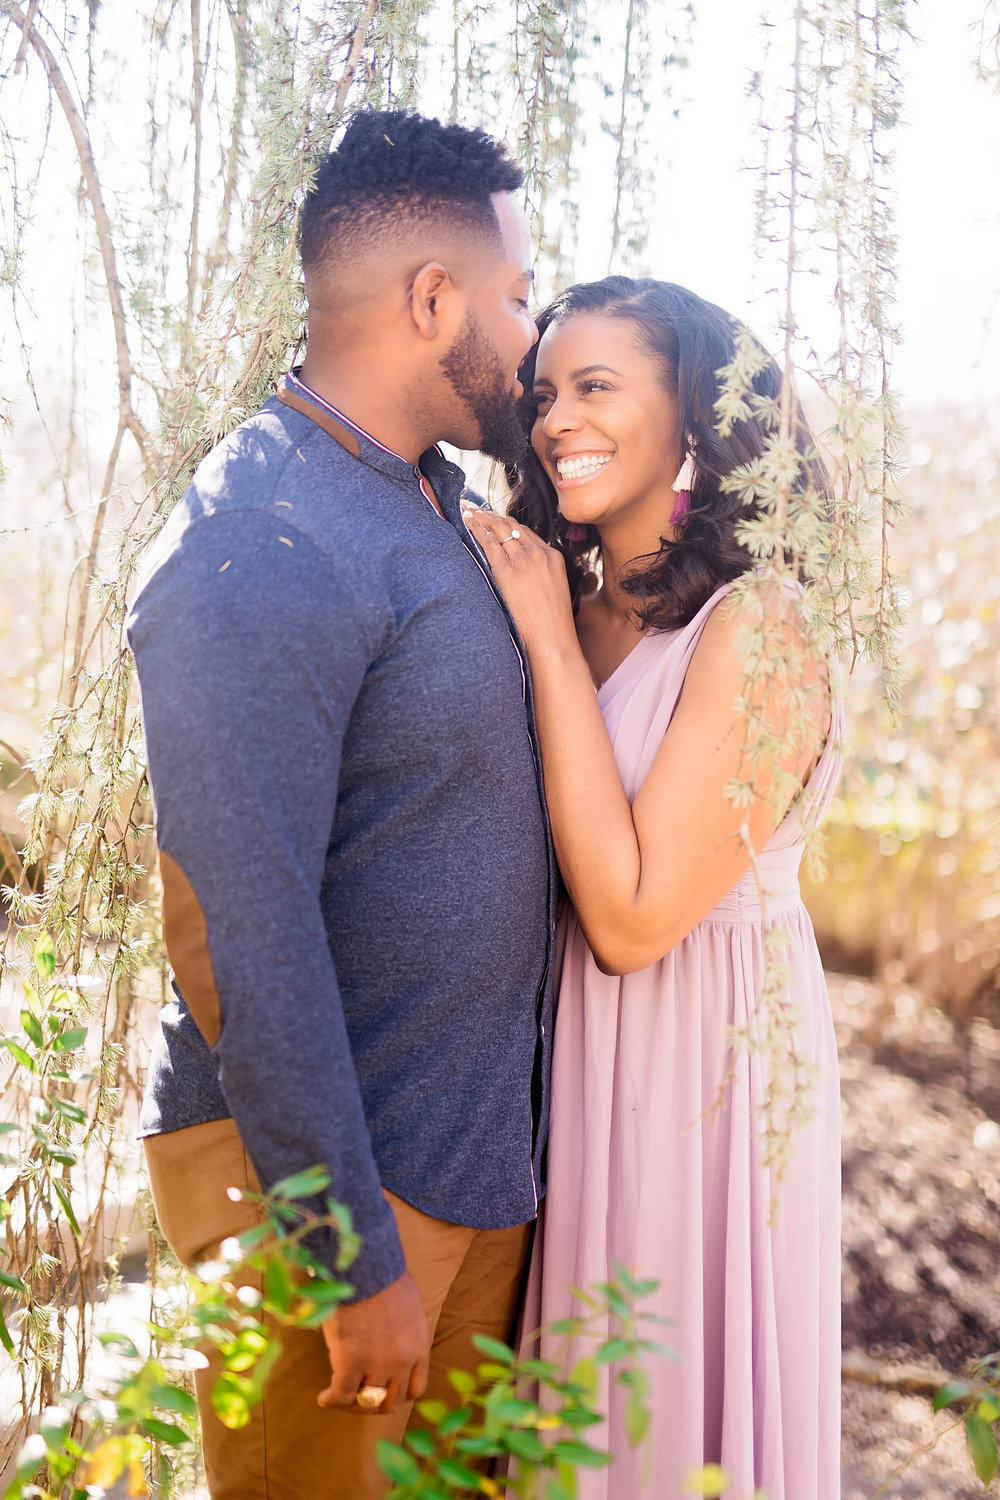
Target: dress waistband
{"points": [[765, 892]]}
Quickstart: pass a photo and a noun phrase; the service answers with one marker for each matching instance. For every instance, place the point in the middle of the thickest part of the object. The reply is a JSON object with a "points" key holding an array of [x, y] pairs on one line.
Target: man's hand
{"points": [[381, 1341]]}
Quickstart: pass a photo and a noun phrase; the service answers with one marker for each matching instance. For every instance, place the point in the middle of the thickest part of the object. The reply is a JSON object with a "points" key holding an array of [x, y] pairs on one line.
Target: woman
{"points": [[655, 1156]]}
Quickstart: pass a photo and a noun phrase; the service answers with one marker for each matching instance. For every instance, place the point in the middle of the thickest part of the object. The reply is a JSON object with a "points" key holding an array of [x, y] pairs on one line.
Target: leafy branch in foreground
{"points": [[528, 1413], [525, 1411], [978, 1403], [264, 1281]]}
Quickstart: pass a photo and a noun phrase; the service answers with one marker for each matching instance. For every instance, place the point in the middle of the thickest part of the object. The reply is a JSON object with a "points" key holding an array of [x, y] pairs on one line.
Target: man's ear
{"points": [[432, 297]]}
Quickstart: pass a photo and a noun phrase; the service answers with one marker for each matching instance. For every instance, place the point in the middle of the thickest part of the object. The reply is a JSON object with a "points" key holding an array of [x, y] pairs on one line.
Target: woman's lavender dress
{"points": [[644, 1172]]}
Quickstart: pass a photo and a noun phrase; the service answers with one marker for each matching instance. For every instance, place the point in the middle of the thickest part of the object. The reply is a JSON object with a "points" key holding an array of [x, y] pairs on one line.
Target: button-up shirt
{"points": [[357, 873]]}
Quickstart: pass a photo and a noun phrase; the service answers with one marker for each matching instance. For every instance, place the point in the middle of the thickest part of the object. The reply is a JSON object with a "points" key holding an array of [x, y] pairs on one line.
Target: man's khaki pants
{"points": [[292, 1449]]}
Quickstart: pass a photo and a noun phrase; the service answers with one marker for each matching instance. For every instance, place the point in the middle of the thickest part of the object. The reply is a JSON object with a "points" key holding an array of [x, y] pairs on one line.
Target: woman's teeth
{"points": [[583, 466]]}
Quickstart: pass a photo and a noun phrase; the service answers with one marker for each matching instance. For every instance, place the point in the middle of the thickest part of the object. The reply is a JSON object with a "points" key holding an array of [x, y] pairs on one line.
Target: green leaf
{"points": [[68, 1041], [307, 1184], [349, 1243], [5, 1337], [555, 1489], [172, 1398], [479, 1447], [983, 1447], [637, 1413], [165, 1432], [54, 1425], [262, 1370], [462, 1381], [989, 1409], [579, 1418], [537, 1369], [503, 1353], [6, 1126], [581, 1456], [433, 1412], [67, 1207], [121, 1342], [420, 1443], [523, 1444], [69, 1110], [19, 1054], [249, 1346], [396, 1464], [585, 1374], [30, 1458], [616, 1303], [454, 1421], [30, 1023], [60, 1154], [663, 1351], [45, 955], [458, 1474], [231, 1400], [519, 1413], [278, 1288], [612, 1349], [7, 1278], [953, 1391]]}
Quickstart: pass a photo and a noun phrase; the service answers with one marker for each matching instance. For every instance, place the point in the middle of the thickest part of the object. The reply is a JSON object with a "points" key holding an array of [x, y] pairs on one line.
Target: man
{"points": [[357, 876]]}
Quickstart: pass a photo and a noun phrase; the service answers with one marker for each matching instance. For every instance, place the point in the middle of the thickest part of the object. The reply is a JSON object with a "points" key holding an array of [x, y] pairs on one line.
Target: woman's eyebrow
{"points": [[593, 369], [583, 373]]}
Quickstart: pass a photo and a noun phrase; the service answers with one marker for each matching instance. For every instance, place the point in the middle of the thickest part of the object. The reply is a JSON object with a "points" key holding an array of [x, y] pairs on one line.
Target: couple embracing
{"points": [[386, 729]]}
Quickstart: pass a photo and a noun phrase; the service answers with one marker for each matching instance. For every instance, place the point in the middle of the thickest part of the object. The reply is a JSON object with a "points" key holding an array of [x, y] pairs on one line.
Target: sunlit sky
{"points": [[946, 175], [947, 181]]}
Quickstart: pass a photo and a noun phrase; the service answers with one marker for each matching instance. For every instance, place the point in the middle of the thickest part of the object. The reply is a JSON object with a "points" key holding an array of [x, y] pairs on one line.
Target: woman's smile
{"points": [[574, 469]]}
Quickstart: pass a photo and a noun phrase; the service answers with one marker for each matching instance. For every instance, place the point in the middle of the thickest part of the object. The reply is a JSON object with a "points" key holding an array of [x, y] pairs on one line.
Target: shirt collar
{"points": [[377, 456]]}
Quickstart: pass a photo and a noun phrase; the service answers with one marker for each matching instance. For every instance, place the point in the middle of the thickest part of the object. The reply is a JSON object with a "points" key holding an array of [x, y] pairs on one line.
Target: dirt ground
{"points": [[921, 1228]]}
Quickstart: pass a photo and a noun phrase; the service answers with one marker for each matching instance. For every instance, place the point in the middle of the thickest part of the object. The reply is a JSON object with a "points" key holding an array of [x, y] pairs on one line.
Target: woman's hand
{"points": [[530, 575]]}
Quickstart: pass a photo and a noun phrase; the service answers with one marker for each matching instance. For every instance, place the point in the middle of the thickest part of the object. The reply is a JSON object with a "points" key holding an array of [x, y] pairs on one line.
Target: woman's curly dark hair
{"points": [[694, 342]]}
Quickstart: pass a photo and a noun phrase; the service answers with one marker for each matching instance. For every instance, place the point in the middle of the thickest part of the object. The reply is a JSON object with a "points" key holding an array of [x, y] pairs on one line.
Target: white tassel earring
{"points": [[682, 485]]}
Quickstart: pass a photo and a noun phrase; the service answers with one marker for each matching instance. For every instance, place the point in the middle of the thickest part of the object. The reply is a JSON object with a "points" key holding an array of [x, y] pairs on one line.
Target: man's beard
{"points": [[473, 369]]}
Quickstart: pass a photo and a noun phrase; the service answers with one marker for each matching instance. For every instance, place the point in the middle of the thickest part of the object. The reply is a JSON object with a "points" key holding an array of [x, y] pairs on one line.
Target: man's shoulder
{"points": [[273, 454], [274, 473]]}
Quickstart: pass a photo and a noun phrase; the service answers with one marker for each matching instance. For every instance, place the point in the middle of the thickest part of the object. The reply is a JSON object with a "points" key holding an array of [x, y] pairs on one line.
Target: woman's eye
{"points": [[539, 400], [588, 386]]}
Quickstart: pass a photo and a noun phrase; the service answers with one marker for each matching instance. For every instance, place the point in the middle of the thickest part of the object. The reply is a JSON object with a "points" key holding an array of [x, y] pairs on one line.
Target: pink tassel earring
{"points": [[682, 487]]}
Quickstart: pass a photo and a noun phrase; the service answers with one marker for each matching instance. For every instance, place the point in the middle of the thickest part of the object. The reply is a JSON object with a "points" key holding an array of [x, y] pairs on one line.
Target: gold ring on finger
{"points": [[371, 1397]]}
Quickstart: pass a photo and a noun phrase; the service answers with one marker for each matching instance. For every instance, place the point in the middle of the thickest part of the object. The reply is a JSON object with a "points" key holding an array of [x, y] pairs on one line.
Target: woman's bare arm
{"points": [[641, 876]]}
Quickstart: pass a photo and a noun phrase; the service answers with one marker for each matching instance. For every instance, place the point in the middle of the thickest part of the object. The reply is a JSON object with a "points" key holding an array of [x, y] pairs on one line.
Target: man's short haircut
{"points": [[394, 169]]}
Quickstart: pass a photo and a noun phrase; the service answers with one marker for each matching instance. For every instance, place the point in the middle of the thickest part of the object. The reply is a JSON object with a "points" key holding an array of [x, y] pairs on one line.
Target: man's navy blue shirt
{"points": [[358, 876]]}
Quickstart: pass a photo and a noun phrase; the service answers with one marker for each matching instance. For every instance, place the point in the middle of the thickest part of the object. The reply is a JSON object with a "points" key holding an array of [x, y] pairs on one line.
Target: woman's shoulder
{"points": [[761, 626]]}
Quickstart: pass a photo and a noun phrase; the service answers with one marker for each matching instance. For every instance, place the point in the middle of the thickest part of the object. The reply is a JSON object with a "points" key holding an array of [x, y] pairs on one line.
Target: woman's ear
{"points": [[431, 295]]}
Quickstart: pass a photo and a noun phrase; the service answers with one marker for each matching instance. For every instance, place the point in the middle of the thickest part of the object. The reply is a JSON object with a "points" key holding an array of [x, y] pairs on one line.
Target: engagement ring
{"points": [[512, 538]]}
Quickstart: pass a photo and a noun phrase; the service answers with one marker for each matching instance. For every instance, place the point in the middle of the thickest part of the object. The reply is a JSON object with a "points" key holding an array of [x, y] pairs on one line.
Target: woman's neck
{"points": [[620, 551]]}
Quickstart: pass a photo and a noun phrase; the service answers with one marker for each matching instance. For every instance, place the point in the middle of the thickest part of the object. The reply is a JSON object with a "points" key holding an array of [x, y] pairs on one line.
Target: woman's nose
{"points": [[560, 417]]}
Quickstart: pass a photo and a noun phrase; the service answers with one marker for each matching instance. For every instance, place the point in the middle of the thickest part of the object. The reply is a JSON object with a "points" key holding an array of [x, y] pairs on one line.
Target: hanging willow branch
{"points": [[127, 416]]}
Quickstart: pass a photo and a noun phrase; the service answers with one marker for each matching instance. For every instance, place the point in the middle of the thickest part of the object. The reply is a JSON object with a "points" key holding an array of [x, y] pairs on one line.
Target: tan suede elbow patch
{"points": [[185, 934]]}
